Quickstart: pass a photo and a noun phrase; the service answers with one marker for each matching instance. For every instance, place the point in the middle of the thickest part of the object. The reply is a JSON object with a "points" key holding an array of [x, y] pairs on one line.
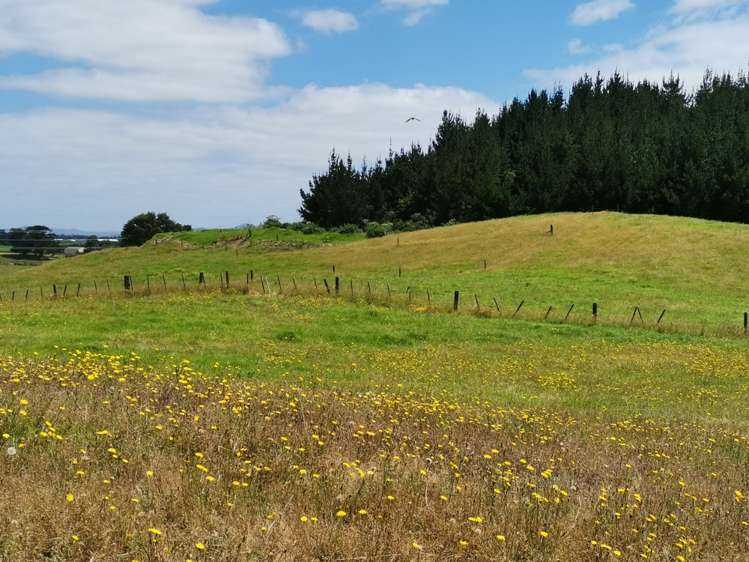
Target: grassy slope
{"points": [[659, 415], [695, 269]]}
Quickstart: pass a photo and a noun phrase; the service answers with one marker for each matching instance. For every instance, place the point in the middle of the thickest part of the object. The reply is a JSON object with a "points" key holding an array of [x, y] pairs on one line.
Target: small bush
{"points": [[311, 228], [272, 221], [348, 229], [378, 230]]}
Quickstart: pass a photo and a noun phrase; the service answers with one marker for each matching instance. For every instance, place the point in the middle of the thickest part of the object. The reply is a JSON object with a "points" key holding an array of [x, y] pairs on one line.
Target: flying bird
{"points": [[413, 119]]}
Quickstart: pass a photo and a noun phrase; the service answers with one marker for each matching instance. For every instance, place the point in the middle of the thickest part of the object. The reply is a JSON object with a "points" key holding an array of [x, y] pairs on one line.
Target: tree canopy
{"points": [[608, 145], [34, 241], [143, 227]]}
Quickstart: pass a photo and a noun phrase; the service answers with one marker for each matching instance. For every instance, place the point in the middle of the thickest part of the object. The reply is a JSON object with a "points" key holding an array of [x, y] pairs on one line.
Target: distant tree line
{"points": [[36, 241], [610, 145]]}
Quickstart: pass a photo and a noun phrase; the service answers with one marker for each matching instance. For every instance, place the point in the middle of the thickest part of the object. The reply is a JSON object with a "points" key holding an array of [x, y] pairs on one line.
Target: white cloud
{"points": [[577, 47], [329, 21], [600, 10], [686, 49], [692, 6], [219, 165], [150, 50], [416, 10]]}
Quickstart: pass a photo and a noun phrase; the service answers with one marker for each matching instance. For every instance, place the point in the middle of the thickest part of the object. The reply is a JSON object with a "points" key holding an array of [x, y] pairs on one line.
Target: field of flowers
{"points": [[107, 458]]}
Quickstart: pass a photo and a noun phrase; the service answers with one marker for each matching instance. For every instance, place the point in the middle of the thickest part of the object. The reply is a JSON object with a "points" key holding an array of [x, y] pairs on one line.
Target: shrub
{"points": [[377, 230], [348, 229]]}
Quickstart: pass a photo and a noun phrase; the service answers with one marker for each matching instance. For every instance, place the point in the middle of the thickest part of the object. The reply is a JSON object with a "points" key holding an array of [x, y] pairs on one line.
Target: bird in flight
{"points": [[413, 119]]}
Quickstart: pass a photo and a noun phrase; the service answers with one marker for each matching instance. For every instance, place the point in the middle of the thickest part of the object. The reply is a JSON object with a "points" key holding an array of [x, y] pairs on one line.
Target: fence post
{"points": [[746, 323], [456, 301], [429, 298], [595, 312], [337, 286], [201, 279], [226, 275], [280, 287], [518, 309], [327, 287], [109, 288], [566, 316], [163, 278]]}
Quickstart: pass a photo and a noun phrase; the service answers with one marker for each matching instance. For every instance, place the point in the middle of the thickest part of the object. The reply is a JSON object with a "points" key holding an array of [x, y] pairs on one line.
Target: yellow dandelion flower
{"points": [[501, 538], [199, 546], [70, 498], [341, 513]]}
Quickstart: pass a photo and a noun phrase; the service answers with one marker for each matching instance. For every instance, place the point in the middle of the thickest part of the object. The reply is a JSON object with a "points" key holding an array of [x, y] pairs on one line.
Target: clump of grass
{"points": [[104, 457]]}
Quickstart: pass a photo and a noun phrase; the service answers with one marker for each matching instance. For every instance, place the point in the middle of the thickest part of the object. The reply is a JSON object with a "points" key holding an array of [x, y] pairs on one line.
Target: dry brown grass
{"points": [[106, 459]]}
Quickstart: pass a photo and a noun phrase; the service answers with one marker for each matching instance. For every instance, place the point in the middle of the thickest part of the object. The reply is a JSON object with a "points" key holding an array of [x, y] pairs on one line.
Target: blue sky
{"points": [[218, 112]]}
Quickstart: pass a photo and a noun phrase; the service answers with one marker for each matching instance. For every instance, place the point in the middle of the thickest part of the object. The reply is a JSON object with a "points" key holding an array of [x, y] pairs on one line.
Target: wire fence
{"points": [[416, 298]]}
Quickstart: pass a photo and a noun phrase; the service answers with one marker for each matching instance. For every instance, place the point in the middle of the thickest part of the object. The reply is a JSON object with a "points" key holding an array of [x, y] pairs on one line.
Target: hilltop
{"points": [[695, 269]]}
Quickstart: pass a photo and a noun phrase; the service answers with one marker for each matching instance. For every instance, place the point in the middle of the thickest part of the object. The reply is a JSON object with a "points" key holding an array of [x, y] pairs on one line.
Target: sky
{"points": [[219, 111]]}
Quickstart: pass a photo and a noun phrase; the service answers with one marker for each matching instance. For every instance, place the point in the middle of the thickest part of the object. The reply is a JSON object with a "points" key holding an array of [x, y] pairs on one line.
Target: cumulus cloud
{"points": [[144, 50], [596, 11], [692, 6], [685, 47], [416, 10], [220, 164], [329, 21]]}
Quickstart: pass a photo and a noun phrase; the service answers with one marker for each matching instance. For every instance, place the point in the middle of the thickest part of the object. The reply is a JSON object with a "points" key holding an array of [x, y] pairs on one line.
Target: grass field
{"points": [[228, 426], [694, 269], [266, 234]]}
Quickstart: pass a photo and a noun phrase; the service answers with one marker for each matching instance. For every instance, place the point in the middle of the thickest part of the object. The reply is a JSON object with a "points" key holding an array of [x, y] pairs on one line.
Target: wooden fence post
{"points": [[456, 301], [595, 312], [337, 286], [566, 316], [201, 279], [518, 309]]}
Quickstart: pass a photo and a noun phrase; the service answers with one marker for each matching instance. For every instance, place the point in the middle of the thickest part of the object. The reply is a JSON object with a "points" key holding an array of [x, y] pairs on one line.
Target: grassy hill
{"points": [[204, 424], [695, 269]]}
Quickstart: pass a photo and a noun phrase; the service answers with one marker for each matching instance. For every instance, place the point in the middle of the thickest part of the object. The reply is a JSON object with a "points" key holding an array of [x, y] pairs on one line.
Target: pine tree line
{"points": [[610, 145]]}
